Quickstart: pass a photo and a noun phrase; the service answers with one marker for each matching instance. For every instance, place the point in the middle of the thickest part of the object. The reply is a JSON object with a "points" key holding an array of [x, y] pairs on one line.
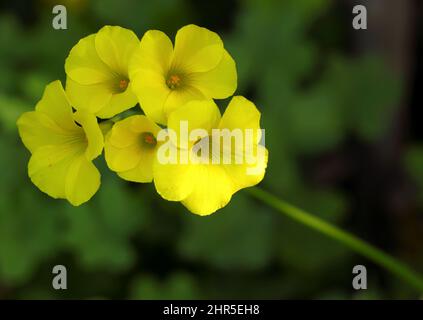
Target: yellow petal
{"points": [[140, 123], [93, 134], [179, 97], [48, 168], [153, 54], [196, 49], [249, 173], [55, 104], [122, 159], [84, 65], [197, 114], [152, 93], [118, 103], [143, 172], [125, 149], [91, 98], [173, 181], [242, 114], [218, 83], [51, 123], [122, 135], [36, 130], [212, 190], [82, 181], [115, 46]]}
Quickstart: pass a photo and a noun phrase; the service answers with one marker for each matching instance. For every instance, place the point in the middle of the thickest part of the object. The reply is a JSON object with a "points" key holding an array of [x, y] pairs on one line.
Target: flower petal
{"points": [[153, 54], [82, 181], [212, 190], [173, 181], [48, 168], [218, 83], [251, 172], [152, 93], [115, 46], [125, 150], [198, 114], [51, 123], [143, 172], [178, 98], [118, 103], [242, 114], [84, 65], [122, 135], [196, 49], [91, 98], [122, 159], [93, 133], [36, 130], [140, 123], [55, 104]]}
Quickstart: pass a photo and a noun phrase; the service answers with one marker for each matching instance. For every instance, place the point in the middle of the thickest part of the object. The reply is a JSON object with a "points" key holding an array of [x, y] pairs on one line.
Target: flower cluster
{"points": [[182, 143]]}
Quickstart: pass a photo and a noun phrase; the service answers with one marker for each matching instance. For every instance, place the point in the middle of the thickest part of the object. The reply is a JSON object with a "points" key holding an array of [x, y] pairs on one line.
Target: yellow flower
{"points": [[166, 77], [205, 177], [97, 72], [130, 148], [62, 151]]}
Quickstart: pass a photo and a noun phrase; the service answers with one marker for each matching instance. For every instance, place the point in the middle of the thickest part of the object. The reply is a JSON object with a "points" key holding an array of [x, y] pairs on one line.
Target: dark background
{"points": [[342, 113]]}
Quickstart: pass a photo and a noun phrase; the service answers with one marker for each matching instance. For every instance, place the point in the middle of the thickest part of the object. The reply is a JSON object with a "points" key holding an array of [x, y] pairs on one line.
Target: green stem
{"points": [[367, 250]]}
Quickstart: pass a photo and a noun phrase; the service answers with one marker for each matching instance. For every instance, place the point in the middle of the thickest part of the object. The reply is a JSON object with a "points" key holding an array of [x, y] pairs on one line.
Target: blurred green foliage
{"points": [[127, 242]]}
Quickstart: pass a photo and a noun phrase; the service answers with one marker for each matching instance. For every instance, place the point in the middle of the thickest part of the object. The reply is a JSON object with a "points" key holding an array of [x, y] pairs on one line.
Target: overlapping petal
{"points": [[173, 181], [118, 103], [152, 93], [178, 98], [97, 72], [197, 68], [115, 46], [154, 54], [204, 187], [91, 98], [83, 64], [128, 153], [62, 146], [219, 82], [197, 49], [92, 134], [197, 114]]}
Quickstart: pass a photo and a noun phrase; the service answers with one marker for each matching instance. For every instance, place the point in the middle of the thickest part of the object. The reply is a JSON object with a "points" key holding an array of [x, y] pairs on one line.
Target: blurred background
{"points": [[342, 113]]}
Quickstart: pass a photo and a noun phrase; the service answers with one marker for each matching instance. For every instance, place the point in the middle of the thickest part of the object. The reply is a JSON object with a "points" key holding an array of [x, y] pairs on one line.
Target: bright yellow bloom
{"points": [[205, 181], [166, 77], [130, 148], [62, 151], [97, 72]]}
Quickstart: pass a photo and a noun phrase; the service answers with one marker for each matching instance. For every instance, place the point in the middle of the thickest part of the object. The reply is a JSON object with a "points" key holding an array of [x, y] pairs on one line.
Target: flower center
{"points": [[123, 85], [173, 81], [148, 139]]}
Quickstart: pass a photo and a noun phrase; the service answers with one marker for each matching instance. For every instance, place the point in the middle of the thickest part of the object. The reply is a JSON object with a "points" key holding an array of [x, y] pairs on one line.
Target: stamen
{"points": [[173, 81], [123, 84], [148, 139]]}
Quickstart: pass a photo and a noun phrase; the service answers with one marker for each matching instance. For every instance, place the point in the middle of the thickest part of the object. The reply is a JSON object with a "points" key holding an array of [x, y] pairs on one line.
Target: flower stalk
{"points": [[358, 245]]}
